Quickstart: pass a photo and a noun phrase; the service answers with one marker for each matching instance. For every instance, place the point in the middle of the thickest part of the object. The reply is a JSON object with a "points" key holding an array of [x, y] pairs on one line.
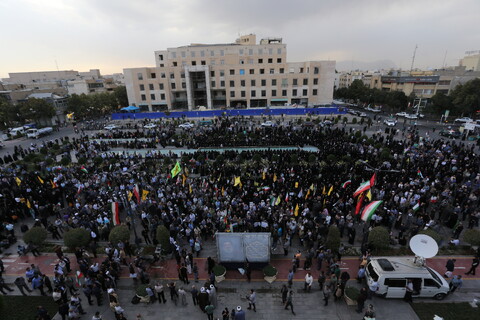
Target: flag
{"points": [[324, 192], [296, 185], [420, 174], [184, 179], [363, 187], [176, 170], [296, 210], [308, 193], [145, 194], [54, 185], [330, 191], [346, 183], [264, 175], [274, 177], [272, 201], [278, 201], [18, 181], [136, 193], [223, 190], [370, 209], [300, 194], [129, 195], [287, 197], [416, 206], [369, 195], [84, 169], [312, 187], [372, 179], [29, 205], [359, 203], [79, 189], [190, 188], [41, 180], [70, 116], [237, 182], [115, 214]]}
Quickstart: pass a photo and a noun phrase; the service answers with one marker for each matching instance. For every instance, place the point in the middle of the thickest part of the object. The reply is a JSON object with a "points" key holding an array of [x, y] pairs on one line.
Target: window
{"points": [[314, 92], [285, 82], [274, 93], [279, 60], [194, 63], [279, 51], [444, 82], [242, 94], [183, 54], [232, 72], [250, 52], [294, 92], [160, 56], [212, 62], [203, 62], [252, 71], [242, 83], [264, 93], [395, 283], [160, 85], [305, 82], [212, 53], [272, 71], [174, 63], [150, 86], [284, 93], [301, 70], [177, 94], [192, 54], [213, 84], [282, 70], [270, 60], [260, 51], [295, 82], [250, 61], [202, 53], [222, 73], [153, 75], [430, 283], [142, 87], [172, 75], [222, 52], [184, 85], [260, 60], [232, 94], [162, 75], [174, 86], [264, 82], [305, 92], [139, 76], [252, 83], [162, 96], [274, 82], [162, 65], [212, 73], [222, 83], [253, 93], [315, 81], [315, 70], [242, 72], [152, 96], [144, 97], [232, 83], [240, 52], [262, 71], [222, 62]]}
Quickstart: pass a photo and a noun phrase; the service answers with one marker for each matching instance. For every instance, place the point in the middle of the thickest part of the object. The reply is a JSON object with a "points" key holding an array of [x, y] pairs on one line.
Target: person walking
{"points": [[194, 293], [209, 311], [239, 314], [252, 300], [184, 274], [362, 297], [195, 271], [456, 283], [22, 284], [290, 278], [284, 293], [37, 283], [450, 268], [160, 293], [474, 266], [289, 302], [408, 291], [308, 282], [327, 291]]}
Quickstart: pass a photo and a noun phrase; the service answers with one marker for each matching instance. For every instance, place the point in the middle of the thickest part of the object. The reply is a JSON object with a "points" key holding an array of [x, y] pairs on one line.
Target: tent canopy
{"points": [[131, 109]]}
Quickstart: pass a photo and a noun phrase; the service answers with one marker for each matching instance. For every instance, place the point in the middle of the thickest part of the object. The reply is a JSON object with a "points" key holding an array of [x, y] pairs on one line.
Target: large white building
{"points": [[235, 75]]}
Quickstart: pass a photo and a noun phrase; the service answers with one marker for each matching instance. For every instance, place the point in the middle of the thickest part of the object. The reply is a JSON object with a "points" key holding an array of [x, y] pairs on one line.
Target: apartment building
{"points": [[235, 75]]}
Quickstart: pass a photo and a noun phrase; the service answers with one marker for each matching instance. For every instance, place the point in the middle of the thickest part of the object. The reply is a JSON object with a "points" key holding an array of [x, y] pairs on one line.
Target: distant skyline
{"points": [[112, 35]]}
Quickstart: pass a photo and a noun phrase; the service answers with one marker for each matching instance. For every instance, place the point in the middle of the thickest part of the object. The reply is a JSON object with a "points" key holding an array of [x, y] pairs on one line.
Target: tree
{"points": [[466, 97], [163, 238], [472, 236], [439, 103], [120, 93], [333, 239], [119, 233], [36, 235], [77, 237], [379, 238], [36, 109]]}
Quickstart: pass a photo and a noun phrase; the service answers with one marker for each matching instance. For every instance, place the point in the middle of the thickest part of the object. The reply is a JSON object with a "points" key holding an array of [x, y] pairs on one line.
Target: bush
{"points": [[293, 159], [257, 157], [379, 238], [270, 271], [312, 158], [77, 237], [82, 160], [163, 238], [331, 158], [472, 236], [354, 121], [97, 161], [49, 161], [65, 161], [352, 293], [141, 290], [333, 239], [433, 234], [119, 233], [219, 270], [36, 235]]}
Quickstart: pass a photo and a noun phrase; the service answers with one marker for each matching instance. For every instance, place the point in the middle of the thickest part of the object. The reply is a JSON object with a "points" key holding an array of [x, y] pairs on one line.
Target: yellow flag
{"points": [[324, 192], [129, 195], [312, 187], [369, 195], [330, 191], [54, 185], [278, 201], [264, 175], [189, 188], [308, 193], [237, 182], [29, 205], [296, 185], [274, 177], [223, 191], [296, 210], [40, 179], [176, 170], [18, 181], [184, 179], [145, 194], [256, 184]]}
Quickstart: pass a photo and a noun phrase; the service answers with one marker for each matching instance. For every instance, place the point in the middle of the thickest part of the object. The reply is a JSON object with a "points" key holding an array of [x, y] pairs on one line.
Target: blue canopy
{"points": [[130, 109]]}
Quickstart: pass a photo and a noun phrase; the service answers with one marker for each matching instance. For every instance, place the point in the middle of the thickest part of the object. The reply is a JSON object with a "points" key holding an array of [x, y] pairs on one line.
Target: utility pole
{"points": [[413, 58]]}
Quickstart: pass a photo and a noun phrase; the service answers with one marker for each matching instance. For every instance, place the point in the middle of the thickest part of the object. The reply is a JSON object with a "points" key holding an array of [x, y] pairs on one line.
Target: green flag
{"points": [[176, 170]]}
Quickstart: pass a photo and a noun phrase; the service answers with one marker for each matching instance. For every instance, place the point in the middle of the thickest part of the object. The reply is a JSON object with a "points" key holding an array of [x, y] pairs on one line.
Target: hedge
{"points": [[36, 235], [379, 238], [472, 236], [270, 271], [119, 233], [77, 237], [333, 239], [163, 238]]}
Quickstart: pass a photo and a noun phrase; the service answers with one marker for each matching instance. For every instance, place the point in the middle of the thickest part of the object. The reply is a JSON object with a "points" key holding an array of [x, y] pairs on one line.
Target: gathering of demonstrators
{"points": [[294, 194]]}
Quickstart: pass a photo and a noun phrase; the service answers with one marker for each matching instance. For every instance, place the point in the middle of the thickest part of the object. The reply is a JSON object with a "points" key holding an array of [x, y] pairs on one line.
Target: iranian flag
{"points": [[416, 206], [346, 183], [420, 174], [370, 209], [363, 187], [84, 169], [115, 214], [136, 193]]}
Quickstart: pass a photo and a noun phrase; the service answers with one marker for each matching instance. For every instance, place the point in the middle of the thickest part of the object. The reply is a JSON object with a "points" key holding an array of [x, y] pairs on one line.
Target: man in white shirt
{"points": [[308, 282]]}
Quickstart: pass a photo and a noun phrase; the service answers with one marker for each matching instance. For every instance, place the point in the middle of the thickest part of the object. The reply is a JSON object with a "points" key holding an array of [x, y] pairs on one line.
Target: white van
{"points": [[392, 274], [16, 131]]}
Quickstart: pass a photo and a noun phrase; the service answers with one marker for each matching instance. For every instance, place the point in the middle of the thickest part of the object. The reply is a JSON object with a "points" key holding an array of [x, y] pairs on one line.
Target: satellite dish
{"points": [[424, 246]]}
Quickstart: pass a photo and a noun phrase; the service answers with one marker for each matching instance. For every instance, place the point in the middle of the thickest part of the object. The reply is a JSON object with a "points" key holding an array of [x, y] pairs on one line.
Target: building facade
{"points": [[235, 75]]}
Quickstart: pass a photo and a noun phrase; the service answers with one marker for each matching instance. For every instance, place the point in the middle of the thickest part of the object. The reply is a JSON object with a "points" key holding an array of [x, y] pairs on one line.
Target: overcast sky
{"points": [[110, 35]]}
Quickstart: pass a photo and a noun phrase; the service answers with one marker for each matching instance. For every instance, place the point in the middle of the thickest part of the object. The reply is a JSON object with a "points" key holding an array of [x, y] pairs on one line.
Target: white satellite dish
{"points": [[424, 246]]}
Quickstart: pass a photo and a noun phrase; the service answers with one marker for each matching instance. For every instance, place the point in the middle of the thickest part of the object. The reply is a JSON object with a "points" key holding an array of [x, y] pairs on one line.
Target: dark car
{"points": [[450, 134]]}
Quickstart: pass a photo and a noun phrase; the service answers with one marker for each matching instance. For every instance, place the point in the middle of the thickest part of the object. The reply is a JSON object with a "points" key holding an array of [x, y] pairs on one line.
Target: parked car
{"points": [[186, 125], [450, 134], [363, 115], [268, 124], [110, 127], [390, 122], [464, 119], [327, 123], [401, 114], [411, 116], [353, 112], [150, 126]]}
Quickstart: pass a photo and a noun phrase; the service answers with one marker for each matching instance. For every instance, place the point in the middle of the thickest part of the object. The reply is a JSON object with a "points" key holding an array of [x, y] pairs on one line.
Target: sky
{"points": [[114, 34]]}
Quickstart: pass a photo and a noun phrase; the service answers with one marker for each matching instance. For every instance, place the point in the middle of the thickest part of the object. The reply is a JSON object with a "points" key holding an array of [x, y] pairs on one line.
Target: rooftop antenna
{"points": [[56, 64], [424, 247], [444, 59], [413, 58]]}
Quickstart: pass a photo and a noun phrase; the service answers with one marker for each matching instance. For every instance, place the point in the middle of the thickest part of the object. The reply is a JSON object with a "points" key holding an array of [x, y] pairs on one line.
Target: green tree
{"points": [[119, 233], [163, 238], [472, 236], [333, 239], [439, 103], [36, 109], [77, 237], [36, 235], [466, 97], [120, 93], [379, 238]]}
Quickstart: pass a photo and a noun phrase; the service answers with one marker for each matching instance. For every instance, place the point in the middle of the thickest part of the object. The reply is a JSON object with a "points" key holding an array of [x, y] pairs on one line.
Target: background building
{"points": [[471, 61], [235, 75]]}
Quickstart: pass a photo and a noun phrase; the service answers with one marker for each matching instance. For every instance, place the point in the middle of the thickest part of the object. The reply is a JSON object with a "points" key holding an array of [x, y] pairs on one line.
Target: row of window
{"points": [[222, 62], [263, 93], [232, 72], [152, 96], [202, 53]]}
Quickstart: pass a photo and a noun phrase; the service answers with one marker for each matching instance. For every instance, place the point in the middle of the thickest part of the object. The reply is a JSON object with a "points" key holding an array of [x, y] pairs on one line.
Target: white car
{"points": [[110, 127], [390, 122], [186, 125], [411, 116], [150, 126], [363, 115], [268, 124], [401, 114], [464, 119]]}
